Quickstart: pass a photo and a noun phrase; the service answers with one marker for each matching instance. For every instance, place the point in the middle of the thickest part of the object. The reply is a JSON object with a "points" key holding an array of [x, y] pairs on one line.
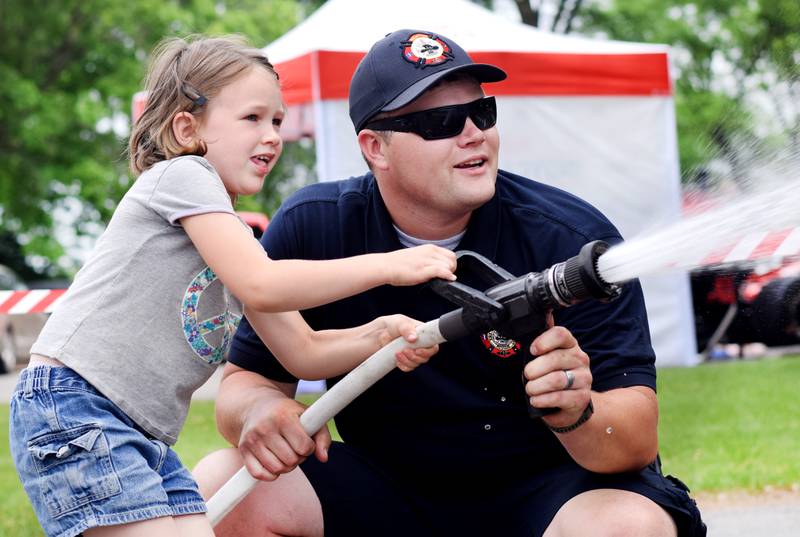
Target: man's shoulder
{"points": [[518, 190], [330, 193], [530, 199]]}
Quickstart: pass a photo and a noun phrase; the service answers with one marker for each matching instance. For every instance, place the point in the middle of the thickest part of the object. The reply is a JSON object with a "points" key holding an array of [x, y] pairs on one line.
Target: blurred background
{"points": [[69, 74], [69, 71]]}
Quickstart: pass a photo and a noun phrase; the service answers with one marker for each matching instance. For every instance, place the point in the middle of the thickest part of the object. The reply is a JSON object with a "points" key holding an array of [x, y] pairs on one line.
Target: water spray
{"points": [[515, 306], [688, 243]]}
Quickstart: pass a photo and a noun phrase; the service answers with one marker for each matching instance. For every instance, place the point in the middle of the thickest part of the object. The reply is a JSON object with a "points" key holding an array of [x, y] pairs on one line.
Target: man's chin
{"points": [[481, 188], [474, 199]]}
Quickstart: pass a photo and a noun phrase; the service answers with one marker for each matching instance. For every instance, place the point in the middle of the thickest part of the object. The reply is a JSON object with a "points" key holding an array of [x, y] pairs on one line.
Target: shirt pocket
{"points": [[74, 467]]}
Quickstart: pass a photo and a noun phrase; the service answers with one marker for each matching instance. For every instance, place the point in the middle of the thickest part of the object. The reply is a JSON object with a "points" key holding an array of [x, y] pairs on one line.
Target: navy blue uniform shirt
{"points": [[464, 413]]}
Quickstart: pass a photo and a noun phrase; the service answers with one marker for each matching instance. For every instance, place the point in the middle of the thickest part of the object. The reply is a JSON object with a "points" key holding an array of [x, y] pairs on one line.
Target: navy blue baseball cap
{"points": [[402, 65]]}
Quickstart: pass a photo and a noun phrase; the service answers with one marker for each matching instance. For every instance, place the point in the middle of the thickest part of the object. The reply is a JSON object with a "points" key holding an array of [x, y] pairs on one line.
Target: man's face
{"points": [[452, 176]]}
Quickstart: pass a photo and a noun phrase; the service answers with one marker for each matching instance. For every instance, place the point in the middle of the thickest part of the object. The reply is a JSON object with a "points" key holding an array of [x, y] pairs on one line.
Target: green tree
{"points": [[68, 71], [737, 84], [727, 52], [563, 13]]}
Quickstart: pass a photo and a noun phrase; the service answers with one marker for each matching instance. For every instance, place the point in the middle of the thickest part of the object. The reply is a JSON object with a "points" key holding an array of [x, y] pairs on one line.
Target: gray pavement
{"points": [[774, 513]]}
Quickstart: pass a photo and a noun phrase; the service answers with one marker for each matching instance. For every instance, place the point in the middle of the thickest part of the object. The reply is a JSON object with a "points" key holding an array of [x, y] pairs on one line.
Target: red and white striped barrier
{"points": [[783, 243], [30, 301]]}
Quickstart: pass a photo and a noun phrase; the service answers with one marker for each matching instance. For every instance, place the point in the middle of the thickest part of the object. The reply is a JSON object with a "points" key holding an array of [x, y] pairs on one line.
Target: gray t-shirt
{"points": [[146, 321]]}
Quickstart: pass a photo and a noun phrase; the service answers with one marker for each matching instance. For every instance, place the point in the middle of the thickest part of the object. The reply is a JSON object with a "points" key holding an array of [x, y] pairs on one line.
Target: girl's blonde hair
{"points": [[184, 73]]}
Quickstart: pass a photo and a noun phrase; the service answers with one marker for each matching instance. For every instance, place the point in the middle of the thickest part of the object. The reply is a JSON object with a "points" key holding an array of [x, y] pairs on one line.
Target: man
{"points": [[450, 449]]}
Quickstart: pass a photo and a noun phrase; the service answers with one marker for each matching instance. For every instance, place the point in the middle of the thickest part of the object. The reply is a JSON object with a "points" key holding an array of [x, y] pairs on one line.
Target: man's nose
{"points": [[471, 134]]}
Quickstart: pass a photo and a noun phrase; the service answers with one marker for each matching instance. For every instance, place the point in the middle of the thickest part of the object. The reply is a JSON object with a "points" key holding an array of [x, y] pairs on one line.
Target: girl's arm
{"points": [[269, 286], [314, 355]]}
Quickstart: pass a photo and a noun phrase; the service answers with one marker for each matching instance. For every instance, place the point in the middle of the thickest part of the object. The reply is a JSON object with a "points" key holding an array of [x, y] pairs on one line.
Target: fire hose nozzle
{"points": [[512, 304], [577, 278]]}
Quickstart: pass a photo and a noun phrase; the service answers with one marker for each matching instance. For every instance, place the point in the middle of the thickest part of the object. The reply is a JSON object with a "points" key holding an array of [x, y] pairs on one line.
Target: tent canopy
{"points": [[317, 57], [593, 117]]}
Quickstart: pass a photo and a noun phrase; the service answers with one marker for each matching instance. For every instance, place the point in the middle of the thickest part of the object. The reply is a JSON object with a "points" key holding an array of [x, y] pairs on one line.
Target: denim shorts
{"points": [[84, 463]]}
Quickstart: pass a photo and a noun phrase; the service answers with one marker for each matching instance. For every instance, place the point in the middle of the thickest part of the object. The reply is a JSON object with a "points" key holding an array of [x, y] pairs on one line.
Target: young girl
{"points": [[147, 319]]}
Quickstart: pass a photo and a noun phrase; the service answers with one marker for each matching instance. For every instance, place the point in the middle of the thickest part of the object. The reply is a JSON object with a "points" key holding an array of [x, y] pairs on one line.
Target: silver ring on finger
{"points": [[570, 379]]}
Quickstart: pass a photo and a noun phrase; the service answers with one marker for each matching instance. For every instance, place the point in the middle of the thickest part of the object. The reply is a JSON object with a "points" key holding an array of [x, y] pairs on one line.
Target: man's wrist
{"points": [[583, 418]]}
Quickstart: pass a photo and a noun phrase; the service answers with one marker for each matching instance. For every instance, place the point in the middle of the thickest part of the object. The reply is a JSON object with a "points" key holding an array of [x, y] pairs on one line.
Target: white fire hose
{"points": [[326, 407]]}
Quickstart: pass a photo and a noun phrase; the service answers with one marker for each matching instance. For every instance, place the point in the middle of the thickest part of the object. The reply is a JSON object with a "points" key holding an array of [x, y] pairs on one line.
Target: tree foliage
{"points": [[68, 71], [737, 78], [564, 14]]}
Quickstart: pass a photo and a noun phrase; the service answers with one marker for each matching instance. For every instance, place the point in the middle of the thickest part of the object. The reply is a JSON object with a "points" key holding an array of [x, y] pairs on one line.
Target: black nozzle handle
{"points": [[452, 325], [489, 273]]}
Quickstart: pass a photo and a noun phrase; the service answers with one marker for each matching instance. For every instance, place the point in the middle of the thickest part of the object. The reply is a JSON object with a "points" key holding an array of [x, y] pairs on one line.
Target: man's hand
{"points": [[273, 442], [621, 434], [559, 377]]}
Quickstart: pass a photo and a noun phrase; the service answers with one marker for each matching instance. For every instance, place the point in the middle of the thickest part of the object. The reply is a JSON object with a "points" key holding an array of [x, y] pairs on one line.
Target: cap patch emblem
{"points": [[425, 49], [500, 346]]}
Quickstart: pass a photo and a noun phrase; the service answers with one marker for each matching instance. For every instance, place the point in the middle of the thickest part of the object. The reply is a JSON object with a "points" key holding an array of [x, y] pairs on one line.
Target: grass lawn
{"points": [[731, 425], [723, 426]]}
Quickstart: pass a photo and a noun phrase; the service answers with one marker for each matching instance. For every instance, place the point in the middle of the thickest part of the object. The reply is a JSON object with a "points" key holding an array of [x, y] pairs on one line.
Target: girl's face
{"points": [[241, 131]]}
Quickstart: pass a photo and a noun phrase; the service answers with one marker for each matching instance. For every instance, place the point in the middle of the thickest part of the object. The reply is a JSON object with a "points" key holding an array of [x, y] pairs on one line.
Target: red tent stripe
{"points": [[295, 77], [540, 73], [534, 73]]}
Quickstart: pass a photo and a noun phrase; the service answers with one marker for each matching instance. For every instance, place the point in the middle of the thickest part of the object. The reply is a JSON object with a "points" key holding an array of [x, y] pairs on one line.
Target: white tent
{"points": [[593, 117]]}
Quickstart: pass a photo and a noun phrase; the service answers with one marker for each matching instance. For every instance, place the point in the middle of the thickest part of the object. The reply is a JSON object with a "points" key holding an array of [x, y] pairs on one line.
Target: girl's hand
{"points": [[410, 266], [408, 358]]}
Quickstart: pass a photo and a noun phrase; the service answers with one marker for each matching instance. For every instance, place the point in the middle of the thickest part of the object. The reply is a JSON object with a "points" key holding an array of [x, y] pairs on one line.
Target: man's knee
{"points": [[611, 513], [215, 469], [286, 506]]}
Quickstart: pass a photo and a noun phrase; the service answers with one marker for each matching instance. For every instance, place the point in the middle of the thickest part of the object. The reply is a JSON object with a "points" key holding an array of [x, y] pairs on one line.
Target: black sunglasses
{"points": [[442, 122]]}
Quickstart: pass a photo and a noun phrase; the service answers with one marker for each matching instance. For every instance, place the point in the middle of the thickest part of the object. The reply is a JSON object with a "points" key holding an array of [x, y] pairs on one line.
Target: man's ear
{"points": [[373, 146], [184, 127]]}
